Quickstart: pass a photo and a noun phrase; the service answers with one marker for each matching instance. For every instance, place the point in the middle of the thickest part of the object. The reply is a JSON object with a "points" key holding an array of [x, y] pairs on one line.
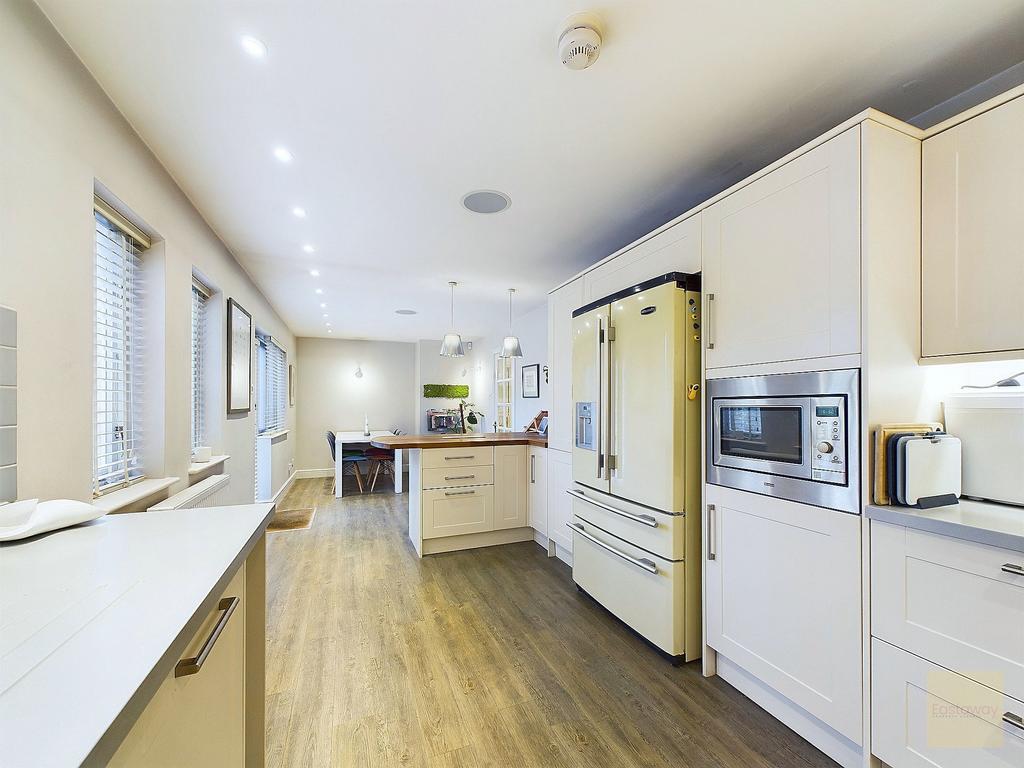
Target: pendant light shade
{"points": [[451, 345], [510, 346]]}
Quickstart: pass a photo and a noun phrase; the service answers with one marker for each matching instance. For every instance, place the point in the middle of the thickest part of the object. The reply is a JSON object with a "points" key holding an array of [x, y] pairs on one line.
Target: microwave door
{"points": [[767, 435], [590, 398]]}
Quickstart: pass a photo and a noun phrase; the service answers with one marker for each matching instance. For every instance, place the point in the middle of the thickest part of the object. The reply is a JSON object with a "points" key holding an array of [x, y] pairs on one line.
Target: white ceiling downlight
{"points": [[579, 44], [254, 46], [486, 201], [283, 154], [405, 311]]}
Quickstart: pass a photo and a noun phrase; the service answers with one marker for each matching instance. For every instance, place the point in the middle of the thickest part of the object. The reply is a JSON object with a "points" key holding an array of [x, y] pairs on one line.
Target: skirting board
{"points": [[475, 540], [829, 741], [284, 488], [305, 474]]}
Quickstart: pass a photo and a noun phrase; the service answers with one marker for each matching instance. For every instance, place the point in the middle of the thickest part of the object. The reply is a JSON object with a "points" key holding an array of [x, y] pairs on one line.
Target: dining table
{"points": [[358, 439]]}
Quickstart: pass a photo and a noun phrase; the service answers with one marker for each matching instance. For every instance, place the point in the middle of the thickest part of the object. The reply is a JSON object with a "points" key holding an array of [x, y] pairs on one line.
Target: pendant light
{"points": [[510, 347], [451, 346]]}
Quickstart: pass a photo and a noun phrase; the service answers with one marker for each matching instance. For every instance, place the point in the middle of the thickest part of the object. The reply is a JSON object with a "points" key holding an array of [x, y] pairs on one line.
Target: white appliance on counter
{"points": [[990, 425], [636, 458]]}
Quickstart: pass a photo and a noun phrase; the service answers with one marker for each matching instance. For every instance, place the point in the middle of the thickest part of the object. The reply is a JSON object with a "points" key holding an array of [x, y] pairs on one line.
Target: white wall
{"points": [[533, 338], [330, 396], [60, 136], [475, 369]]}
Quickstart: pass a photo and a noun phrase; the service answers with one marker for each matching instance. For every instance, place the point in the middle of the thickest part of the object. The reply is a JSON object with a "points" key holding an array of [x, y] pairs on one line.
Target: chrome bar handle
{"points": [[712, 555], [708, 314], [639, 562], [456, 458], [533, 468], [459, 493], [191, 666], [459, 477], [647, 520], [599, 416], [1012, 718], [1013, 568]]}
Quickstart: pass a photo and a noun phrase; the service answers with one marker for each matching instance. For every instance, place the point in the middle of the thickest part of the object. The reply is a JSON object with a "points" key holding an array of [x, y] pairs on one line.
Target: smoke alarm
{"points": [[579, 45]]}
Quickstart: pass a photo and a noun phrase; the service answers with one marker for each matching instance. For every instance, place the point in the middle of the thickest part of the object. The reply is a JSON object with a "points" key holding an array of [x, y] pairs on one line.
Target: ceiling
{"points": [[396, 109]]}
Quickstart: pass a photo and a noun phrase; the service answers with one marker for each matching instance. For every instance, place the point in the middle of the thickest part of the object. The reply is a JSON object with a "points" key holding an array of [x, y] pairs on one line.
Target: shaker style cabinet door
{"points": [[511, 486], [539, 489], [782, 261], [972, 235]]}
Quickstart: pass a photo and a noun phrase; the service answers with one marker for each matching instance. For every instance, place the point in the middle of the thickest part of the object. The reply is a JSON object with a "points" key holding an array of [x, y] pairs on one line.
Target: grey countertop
{"points": [[89, 614], [997, 525]]}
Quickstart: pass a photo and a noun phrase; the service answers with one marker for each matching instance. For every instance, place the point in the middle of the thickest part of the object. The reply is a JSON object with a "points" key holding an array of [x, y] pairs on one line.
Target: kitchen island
{"points": [[467, 490], [136, 639]]}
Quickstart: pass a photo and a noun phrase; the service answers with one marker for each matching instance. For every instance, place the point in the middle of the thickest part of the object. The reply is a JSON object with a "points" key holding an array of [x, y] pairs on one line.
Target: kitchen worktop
{"points": [[93, 618], [455, 440], [997, 525]]}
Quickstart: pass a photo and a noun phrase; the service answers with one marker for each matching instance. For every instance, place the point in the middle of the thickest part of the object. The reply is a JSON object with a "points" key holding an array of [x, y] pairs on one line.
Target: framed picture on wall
{"points": [[239, 358], [531, 380]]}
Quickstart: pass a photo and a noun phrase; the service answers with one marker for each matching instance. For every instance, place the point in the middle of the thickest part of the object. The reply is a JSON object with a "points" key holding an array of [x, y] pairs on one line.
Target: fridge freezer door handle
{"points": [[599, 416]]}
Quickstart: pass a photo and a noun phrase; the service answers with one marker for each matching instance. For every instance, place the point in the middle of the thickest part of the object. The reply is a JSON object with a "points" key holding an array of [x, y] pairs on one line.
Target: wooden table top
{"points": [[455, 440]]}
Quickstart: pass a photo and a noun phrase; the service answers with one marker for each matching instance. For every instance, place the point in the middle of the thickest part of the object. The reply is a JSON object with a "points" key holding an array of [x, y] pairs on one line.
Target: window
{"points": [[200, 298], [504, 368], [271, 387], [117, 443]]}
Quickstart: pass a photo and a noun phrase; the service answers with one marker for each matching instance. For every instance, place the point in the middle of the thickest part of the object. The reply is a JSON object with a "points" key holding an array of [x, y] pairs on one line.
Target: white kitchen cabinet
{"points": [[972, 268], [457, 511], [511, 491], [561, 304], [559, 501], [677, 249], [538, 491], [957, 603], [925, 716], [198, 719], [781, 260], [783, 600]]}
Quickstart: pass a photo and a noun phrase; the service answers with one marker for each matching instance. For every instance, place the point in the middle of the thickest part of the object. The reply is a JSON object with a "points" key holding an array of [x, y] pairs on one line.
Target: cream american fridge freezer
{"points": [[636, 458]]}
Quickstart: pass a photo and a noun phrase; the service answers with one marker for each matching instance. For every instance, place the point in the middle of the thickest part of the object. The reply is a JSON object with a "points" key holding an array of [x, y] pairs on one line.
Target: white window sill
{"points": [[196, 467], [274, 435], [123, 497]]}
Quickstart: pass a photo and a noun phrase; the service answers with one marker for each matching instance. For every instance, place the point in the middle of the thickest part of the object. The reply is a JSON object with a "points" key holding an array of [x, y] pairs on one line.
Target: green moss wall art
{"points": [[447, 391]]}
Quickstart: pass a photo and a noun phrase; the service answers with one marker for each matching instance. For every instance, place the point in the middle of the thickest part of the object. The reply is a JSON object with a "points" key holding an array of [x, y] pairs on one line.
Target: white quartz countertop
{"points": [[91, 617], [997, 525]]}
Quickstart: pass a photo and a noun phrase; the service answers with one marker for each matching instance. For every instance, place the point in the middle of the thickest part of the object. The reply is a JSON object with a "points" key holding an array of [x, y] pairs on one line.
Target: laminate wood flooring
{"points": [[488, 657]]}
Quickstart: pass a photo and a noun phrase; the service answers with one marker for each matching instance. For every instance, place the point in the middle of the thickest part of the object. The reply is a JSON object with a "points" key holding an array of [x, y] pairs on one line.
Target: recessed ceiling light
{"points": [[254, 47], [308, 248], [314, 272], [325, 315], [299, 211], [327, 324], [486, 201], [318, 291], [405, 311], [329, 330], [323, 305], [283, 154]]}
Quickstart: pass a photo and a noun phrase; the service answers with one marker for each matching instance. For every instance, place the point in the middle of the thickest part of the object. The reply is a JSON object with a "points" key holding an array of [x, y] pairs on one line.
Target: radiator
{"points": [[211, 492]]}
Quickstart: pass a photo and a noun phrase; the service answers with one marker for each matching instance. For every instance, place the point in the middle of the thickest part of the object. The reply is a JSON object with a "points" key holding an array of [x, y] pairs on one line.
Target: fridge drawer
{"points": [[455, 511], [643, 590], [454, 477], [444, 458], [925, 716], [656, 532]]}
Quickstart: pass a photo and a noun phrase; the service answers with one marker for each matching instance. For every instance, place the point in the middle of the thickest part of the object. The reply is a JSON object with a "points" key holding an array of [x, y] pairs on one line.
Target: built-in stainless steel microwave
{"points": [[791, 435]]}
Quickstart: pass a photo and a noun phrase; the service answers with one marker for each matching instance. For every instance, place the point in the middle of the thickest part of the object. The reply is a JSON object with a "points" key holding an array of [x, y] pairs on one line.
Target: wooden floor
{"points": [[488, 657]]}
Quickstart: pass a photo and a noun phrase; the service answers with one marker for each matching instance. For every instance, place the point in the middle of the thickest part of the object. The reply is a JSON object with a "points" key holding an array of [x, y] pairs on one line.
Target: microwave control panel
{"points": [[828, 439]]}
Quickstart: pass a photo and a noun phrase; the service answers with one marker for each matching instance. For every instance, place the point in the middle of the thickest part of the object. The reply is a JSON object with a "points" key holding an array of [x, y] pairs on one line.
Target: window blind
{"points": [[117, 359], [200, 297], [271, 386]]}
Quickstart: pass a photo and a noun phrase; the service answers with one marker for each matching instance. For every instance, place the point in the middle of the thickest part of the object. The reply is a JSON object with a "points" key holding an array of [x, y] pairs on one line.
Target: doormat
{"points": [[291, 519]]}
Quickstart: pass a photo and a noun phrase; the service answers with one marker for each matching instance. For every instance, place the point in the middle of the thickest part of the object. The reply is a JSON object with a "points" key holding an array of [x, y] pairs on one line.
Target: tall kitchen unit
{"points": [[636, 458]]}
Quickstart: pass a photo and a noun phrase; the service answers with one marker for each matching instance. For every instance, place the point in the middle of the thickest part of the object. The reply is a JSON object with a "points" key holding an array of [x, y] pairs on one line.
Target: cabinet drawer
{"points": [[198, 719], [650, 603], [924, 716], [453, 512], [954, 602], [656, 532], [454, 477], [442, 458]]}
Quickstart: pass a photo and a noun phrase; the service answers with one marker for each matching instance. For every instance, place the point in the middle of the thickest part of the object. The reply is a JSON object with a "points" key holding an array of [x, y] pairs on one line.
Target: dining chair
{"points": [[382, 459], [350, 461]]}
